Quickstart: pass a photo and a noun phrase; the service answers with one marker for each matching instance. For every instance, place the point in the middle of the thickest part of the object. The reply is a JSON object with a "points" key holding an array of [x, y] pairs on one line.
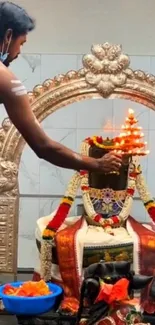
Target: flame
{"points": [[130, 135], [108, 126], [131, 111]]}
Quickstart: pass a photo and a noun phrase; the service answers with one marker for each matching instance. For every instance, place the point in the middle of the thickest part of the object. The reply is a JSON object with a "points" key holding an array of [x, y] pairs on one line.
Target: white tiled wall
{"points": [[29, 212], [70, 125]]}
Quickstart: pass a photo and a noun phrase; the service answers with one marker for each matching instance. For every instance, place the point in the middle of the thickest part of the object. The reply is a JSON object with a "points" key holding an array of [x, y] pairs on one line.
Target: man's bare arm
{"points": [[18, 108]]}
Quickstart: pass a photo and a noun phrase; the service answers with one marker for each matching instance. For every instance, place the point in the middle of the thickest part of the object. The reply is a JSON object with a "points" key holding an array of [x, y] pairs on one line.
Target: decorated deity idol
{"points": [[105, 229]]}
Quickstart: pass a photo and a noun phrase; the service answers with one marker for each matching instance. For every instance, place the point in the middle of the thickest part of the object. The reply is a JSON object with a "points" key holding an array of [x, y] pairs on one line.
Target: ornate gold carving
{"points": [[105, 68], [8, 229], [108, 64], [8, 177], [6, 124]]}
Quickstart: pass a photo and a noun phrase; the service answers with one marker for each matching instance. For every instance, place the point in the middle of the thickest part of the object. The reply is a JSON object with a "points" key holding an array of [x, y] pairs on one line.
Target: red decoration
{"points": [[97, 218], [151, 212], [83, 172], [99, 140], [133, 175], [90, 141], [112, 293], [106, 223], [59, 217], [130, 191], [115, 219], [84, 188]]}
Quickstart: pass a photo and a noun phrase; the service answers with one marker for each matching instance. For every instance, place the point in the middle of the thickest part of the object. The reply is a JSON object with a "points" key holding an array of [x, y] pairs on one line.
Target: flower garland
{"points": [[53, 226], [113, 221], [63, 208], [145, 196], [101, 143]]}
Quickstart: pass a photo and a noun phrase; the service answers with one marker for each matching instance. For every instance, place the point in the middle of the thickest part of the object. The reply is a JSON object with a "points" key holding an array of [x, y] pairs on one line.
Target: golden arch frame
{"points": [[106, 73]]}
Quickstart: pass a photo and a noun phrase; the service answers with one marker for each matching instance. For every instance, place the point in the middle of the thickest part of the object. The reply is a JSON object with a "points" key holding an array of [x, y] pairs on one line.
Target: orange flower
{"points": [[70, 304], [119, 291], [9, 290], [28, 289], [112, 293], [104, 293]]}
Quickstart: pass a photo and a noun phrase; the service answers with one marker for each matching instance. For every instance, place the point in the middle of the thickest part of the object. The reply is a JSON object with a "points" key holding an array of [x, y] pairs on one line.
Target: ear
{"points": [[90, 270], [152, 289], [8, 36], [92, 288], [140, 281]]}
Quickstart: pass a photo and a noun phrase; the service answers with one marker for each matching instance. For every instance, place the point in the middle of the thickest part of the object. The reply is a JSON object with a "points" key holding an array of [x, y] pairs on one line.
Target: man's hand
{"points": [[110, 162]]}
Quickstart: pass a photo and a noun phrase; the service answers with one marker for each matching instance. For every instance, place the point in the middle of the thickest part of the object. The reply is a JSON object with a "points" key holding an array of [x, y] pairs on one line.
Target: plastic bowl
{"points": [[30, 305]]}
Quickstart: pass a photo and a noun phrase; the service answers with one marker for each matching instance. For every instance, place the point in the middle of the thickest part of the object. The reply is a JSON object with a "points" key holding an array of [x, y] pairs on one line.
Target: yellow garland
{"points": [[144, 192], [49, 233], [68, 201], [150, 205], [101, 145], [86, 197], [73, 187]]}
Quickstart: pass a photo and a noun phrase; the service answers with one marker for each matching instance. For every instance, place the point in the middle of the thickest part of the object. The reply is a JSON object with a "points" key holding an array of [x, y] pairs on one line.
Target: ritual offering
{"points": [[28, 289]]}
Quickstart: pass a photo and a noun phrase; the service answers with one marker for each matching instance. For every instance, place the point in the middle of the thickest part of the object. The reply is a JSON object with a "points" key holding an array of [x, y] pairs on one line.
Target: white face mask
{"points": [[4, 56]]}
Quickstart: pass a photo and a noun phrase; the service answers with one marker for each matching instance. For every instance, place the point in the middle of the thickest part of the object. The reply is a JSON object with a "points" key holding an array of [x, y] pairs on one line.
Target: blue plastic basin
{"points": [[30, 305]]}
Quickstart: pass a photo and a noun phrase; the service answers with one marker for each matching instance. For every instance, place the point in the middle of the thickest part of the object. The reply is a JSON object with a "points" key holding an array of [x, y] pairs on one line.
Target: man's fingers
{"points": [[112, 162], [115, 154], [116, 165], [114, 157], [117, 161], [113, 167]]}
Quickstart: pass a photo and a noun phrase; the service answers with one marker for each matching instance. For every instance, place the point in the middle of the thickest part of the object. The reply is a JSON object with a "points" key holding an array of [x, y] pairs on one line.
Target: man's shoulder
{"points": [[5, 77], [4, 71]]}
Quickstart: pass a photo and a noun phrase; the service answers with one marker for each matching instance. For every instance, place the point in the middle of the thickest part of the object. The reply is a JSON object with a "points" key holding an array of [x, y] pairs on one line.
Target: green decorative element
{"points": [[108, 142], [133, 316]]}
